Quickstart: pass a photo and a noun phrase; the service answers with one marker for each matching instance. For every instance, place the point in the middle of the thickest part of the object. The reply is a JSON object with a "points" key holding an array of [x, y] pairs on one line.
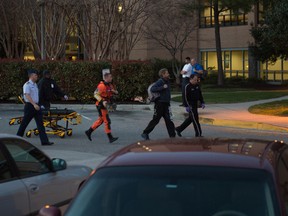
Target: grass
{"points": [[239, 95], [276, 108], [232, 96]]}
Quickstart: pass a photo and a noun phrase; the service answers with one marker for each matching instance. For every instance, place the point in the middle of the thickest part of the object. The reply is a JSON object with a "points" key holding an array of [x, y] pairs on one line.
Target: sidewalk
{"points": [[231, 115]]}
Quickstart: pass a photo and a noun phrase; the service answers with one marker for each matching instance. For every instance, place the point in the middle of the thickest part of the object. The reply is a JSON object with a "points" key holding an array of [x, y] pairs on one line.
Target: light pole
{"points": [[42, 20]]}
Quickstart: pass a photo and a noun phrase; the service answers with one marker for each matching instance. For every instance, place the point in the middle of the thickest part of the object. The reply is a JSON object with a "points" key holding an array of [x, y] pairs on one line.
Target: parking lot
{"points": [[127, 124]]}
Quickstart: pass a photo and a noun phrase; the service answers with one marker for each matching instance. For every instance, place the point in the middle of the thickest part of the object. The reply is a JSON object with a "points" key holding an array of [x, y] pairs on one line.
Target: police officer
{"points": [[193, 94], [32, 109], [47, 89]]}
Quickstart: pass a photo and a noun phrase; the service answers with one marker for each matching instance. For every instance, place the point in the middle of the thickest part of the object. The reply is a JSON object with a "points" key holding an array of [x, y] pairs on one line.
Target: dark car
{"points": [[189, 177]]}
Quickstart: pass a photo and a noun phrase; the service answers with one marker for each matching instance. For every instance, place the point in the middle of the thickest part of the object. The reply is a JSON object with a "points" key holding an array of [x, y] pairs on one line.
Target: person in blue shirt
{"points": [[197, 68]]}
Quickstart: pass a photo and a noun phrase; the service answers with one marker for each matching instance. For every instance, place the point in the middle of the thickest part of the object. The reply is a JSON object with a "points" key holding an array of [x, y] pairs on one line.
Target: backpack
{"points": [[152, 96]]}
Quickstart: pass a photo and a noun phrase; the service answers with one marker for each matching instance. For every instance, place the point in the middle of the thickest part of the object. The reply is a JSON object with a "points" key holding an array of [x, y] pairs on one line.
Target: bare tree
{"points": [[171, 27], [11, 28], [109, 25], [57, 26]]}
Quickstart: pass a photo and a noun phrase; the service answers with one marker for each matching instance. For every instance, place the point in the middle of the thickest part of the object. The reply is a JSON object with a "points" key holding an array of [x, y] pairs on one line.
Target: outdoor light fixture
{"points": [[42, 20]]}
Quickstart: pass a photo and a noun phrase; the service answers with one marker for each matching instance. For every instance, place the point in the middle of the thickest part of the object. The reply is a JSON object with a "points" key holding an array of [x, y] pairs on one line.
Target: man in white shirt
{"points": [[32, 108], [186, 72]]}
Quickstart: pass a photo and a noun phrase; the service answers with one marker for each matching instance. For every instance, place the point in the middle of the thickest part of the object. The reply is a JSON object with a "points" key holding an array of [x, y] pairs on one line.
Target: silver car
{"points": [[29, 179]]}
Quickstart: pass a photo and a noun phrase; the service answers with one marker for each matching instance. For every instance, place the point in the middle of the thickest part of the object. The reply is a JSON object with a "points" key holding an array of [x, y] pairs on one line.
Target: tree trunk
{"points": [[253, 72], [220, 81]]}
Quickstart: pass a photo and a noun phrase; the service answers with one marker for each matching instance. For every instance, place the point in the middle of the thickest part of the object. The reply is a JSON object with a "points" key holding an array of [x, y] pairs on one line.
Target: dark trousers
{"points": [[161, 110], [193, 118], [185, 81], [46, 104], [29, 113]]}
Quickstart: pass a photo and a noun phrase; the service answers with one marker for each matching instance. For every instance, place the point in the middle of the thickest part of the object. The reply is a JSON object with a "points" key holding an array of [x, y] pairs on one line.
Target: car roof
{"points": [[9, 136], [227, 152]]}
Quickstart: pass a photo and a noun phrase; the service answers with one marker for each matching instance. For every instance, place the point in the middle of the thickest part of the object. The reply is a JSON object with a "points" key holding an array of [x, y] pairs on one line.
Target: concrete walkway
{"points": [[232, 115], [237, 115]]}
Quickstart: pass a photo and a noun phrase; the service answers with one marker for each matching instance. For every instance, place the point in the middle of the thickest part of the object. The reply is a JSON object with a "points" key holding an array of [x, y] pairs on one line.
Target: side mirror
{"points": [[49, 211], [58, 164]]}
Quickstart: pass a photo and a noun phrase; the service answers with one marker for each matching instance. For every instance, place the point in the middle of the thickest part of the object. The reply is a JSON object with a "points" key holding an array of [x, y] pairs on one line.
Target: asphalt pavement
{"points": [[228, 115]]}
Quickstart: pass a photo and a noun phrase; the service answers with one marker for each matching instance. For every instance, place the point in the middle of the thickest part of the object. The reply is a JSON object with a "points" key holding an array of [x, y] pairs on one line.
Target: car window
{"points": [[176, 190], [29, 160], [282, 170], [5, 172]]}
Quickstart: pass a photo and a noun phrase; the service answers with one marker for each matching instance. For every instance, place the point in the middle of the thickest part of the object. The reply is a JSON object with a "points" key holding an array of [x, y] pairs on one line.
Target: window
{"points": [[235, 62], [5, 172], [29, 160], [176, 190], [226, 17]]}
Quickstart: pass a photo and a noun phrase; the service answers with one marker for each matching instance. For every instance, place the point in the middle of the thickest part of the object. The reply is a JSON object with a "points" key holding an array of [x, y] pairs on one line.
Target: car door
{"points": [[35, 169], [13, 192]]}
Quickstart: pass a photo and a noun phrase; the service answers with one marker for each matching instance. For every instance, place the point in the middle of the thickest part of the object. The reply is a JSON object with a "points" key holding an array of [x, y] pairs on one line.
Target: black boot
{"points": [[88, 133], [111, 138]]}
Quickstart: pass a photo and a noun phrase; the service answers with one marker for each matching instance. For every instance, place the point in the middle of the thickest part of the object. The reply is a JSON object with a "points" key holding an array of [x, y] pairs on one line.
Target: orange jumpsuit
{"points": [[103, 93]]}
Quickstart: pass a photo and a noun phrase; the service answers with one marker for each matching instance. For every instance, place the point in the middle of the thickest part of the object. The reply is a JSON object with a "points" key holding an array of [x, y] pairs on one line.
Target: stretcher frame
{"points": [[51, 117]]}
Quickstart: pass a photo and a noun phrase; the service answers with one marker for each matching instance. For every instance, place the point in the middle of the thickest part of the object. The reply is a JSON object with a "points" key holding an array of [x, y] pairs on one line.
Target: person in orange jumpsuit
{"points": [[103, 94]]}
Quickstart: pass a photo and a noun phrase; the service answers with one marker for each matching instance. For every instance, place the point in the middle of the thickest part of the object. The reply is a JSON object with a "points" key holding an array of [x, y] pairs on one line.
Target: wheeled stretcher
{"points": [[51, 119]]}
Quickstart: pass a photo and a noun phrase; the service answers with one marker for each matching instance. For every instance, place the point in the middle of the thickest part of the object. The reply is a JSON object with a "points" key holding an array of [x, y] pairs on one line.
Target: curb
{"points": [[242, 124]]}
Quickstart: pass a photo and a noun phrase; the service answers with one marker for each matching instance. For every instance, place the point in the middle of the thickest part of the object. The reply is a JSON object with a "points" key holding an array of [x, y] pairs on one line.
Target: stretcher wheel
{"points": [[11, 122], [19, 121], [69, 133], [28, 134], [62, 135], [36, 132]]}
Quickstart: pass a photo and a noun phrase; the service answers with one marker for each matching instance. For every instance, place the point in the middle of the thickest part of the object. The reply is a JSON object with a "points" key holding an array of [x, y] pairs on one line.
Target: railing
{"points": [[224, 20], [269, 76], [275, 76]]}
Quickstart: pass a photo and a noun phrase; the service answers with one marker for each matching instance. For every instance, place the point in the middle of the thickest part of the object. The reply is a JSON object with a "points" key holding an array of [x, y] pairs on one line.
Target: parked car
{"points": [[29, 179], [193, 177]]}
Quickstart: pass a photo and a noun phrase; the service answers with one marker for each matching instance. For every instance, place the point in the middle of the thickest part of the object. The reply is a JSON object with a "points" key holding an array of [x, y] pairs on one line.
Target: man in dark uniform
{"points": [[32, 109], [162, 105], [47, 89], [193, 94]]}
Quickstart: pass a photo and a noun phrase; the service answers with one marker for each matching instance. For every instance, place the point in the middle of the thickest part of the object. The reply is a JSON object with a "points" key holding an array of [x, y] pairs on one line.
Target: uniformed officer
{"points": [[32, 109], [47, 89], [193, 94]]}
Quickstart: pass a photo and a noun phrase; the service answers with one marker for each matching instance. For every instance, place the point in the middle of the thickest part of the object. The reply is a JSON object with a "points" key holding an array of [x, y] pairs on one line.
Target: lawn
{"points": [[236, 95], [239, 95], [276, 108]]}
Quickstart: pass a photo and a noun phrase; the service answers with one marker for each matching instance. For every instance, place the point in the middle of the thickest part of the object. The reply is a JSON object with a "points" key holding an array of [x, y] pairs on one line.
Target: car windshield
{"points": [[176, 191]]}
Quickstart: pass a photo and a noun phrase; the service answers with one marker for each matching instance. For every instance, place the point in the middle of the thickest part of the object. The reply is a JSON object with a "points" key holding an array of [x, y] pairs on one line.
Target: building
{"points": [[235, 41]]}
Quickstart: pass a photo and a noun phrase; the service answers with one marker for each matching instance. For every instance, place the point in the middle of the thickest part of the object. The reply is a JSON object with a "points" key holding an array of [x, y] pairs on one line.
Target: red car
{"points": [[189, 177]]}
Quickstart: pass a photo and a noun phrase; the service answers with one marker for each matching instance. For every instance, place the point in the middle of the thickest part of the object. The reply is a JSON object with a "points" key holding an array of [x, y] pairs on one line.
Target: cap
{"points": [[46, 72], [32, 71]]}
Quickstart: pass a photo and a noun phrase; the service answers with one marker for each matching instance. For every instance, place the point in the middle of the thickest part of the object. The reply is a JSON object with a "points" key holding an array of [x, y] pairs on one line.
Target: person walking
{"points": [[32, 108], [186, 72], [162, 105], [103, 95], [47, 89], [193, 94]]}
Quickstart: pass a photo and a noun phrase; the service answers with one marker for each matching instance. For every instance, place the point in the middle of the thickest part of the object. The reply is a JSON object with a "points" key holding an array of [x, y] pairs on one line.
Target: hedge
{"points": [[80, 78]]}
